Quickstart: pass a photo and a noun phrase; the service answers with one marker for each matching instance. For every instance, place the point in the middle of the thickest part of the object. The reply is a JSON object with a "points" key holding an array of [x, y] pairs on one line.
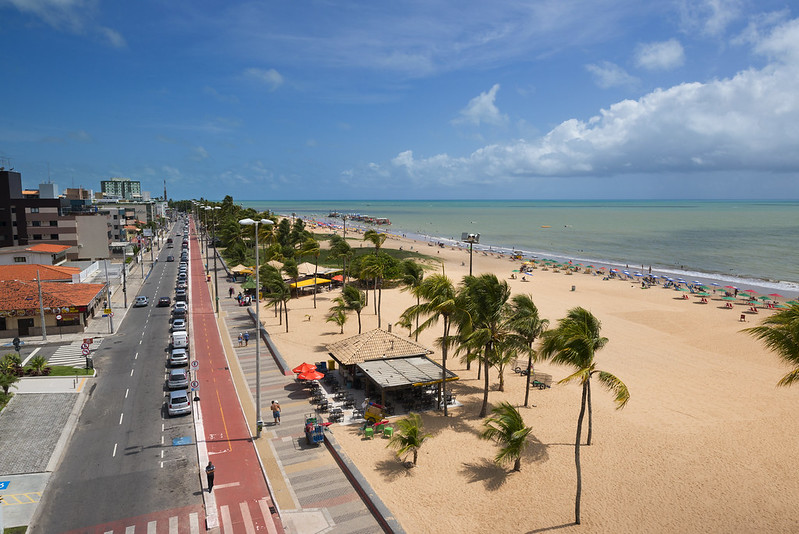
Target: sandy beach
{"points": [[704, 445]]}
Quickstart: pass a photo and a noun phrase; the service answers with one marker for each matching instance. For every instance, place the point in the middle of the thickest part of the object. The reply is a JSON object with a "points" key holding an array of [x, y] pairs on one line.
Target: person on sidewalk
{"points": [[246, 338], [209, 474], [276, 412], [230, 292], [240, 339]]}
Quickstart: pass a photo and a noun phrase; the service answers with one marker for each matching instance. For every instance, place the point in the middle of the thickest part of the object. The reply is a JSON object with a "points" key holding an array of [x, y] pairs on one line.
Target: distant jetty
{"points": [[358, 217]]}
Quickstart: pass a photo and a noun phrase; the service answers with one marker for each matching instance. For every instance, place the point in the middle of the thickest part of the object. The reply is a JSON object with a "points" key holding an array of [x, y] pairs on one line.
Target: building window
{"points": [[37, 237], [34, 210], [53, 223], [54, 236], [20, 259], [36, 223]]}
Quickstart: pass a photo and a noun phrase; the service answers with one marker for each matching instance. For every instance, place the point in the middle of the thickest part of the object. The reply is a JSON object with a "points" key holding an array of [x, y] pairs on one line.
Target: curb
{"points": [[281, 363], [379, 510]]}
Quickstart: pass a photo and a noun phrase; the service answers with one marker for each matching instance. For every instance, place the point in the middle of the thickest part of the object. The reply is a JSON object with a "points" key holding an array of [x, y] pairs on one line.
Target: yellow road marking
{"points": [[21, 498]]}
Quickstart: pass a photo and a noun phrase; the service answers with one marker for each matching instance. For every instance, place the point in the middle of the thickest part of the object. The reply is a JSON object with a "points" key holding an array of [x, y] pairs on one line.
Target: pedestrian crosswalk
{"points": [[186, 520], [247, 517], [72, 355]]}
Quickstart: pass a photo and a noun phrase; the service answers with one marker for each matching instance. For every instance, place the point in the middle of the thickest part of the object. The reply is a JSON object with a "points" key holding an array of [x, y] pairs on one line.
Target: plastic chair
{"points": [[369, 432], [388, 432]]}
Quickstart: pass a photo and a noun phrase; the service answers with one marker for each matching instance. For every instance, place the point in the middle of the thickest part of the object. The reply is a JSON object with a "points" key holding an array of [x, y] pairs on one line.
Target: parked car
{"points": [[140, 302], [178, 325], [178, 403], [178, 378], [164, 302], [180, 294], [178, 357], [181, 285], [182, 277], [179, 340], [181, 308]]}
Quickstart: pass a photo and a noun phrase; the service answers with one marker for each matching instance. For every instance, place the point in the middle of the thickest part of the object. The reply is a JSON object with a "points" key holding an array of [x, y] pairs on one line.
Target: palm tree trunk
{"points": [[418, 303], [577, 456], [379, 301], [590, 418], [286, 307], [484, 409], [444, 364], [374, 290], [517, 465], [359, 323], [529, 377], [315, 273]]}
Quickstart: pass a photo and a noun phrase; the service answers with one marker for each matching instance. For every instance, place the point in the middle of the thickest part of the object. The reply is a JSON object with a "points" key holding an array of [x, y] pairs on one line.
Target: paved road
{"points": [[121, 464]]}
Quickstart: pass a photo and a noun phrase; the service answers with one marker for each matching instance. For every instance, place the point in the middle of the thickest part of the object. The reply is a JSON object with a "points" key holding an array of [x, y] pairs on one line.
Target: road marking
{"points": [[162, 427], [140, 341], [120, 417], [131, 530], [162, 439], [136, 357], [126, 392], [151, 527], [267, 513], [173, 525], [245, 512], [227, 524], [162, 453], [131, 372], [224, 423], [228, 485], [115, 450], [194, 523]]}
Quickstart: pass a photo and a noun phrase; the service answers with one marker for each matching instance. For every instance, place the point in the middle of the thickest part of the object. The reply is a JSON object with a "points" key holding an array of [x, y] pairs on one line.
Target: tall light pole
{"points": [[471, 239], [258, 422], [41, 305], [108, 295], [213, 242]]}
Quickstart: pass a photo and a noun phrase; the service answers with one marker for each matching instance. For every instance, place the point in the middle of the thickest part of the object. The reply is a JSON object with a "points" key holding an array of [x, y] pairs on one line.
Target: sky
{"points": [[433, 99]]}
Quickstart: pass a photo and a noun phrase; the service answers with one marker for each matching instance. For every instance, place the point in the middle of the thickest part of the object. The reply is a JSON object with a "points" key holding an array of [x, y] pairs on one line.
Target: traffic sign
{"points": [[88, 340], [195, 385], [85, 352], [84, 346], [58, 317], [4, 484], [107, 310], [195, 364]]}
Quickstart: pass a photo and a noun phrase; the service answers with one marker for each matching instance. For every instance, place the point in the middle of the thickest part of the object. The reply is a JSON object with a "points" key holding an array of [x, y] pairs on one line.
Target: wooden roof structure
{"points": [[377, 344]]}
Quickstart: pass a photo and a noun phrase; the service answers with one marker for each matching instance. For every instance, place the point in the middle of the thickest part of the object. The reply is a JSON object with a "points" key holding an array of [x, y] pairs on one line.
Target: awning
{"points": [[404, 372], [310, 282]]}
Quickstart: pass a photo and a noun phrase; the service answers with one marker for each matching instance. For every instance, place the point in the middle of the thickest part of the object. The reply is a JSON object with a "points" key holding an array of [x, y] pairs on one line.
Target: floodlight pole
{"points": [[258, 422], [471, 239]]}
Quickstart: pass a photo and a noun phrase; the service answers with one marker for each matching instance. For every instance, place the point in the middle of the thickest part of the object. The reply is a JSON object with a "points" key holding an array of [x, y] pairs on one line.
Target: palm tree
{"points": [[485, 298], [437, 297], [409, 436], [412, 276], [377, 238], [277, 292], [507, 428], [340, 249], [8, 381], [373, 266], [290, 269], [780, 333], [527, 325], [311, 247], [338, 314], [354, 300], [574, 342]]}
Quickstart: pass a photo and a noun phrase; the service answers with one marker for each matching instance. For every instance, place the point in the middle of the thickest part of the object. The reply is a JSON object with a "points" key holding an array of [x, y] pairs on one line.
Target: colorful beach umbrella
{"points": [[775, 295], [751, 291], [304, 368], [311, 375]]}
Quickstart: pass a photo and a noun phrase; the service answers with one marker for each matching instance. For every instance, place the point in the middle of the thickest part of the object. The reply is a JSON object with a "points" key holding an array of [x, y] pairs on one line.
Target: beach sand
{"points": [[706, 443]]}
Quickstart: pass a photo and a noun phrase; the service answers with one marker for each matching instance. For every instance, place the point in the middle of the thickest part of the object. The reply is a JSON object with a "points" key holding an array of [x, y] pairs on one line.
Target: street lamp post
{"points": [[258, 422], [213, 242], [471, 239]]}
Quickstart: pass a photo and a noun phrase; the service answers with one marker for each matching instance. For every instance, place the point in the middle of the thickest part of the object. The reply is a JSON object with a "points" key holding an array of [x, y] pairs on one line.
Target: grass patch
{"points": [[63, 370], [4, 399], [15, 530]]}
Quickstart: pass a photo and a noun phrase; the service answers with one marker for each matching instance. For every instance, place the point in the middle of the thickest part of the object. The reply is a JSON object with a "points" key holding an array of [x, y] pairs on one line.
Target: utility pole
{"points": [[41, 306], [108, 299]]}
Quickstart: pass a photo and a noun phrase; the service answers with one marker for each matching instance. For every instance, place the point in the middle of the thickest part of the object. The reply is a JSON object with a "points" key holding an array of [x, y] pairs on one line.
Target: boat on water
{"points": [[358, 217], [545, 226]]}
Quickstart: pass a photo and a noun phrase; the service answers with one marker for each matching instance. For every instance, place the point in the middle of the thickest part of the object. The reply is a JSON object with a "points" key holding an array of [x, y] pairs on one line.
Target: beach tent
{"points": [[310, 282], [241, 269]]}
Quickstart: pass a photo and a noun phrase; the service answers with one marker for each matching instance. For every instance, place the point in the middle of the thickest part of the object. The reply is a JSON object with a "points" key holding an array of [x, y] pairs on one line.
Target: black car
{"points": [[164, 302], [170, 258]]}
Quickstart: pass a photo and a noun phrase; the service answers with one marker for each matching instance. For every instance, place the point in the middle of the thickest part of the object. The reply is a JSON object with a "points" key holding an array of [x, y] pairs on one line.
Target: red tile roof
{"points": [[44, 247], [28, 272], [22, 295]]}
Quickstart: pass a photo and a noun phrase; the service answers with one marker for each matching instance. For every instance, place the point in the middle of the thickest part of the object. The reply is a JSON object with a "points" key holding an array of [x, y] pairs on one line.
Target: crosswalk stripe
{"points": [[270, 524], [70, 355], [173, 525], [194, 523], [151, 527], [245, 513], [131, 530], [227, 524]]}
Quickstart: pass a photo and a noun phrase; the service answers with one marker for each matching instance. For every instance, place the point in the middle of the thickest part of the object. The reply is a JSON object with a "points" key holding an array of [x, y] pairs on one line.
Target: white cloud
{"points": [[746, 122], [113, 37], [664, 55], [607, 75], [481, 109], [270, 77], [711, 17], [199, 153]]}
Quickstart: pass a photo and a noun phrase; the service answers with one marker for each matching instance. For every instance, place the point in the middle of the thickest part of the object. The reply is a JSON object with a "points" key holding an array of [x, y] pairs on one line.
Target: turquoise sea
{"points": [[752, 243]]}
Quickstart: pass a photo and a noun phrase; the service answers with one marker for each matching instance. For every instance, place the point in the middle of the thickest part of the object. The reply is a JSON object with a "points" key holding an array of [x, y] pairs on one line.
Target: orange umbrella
{"points": [[311, 375], [304, 368]]}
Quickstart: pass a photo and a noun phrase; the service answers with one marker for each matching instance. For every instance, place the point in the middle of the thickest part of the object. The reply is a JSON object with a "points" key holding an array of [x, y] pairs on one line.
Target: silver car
{"points": [[178, 325], [178, 357], [178, 403], [178, 378]]}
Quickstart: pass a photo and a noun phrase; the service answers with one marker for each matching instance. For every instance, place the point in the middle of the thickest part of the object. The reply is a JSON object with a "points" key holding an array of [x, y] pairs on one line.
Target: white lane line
{"points": [[162, 427], [127, 390], [249, 528], [140, 341], [136, 357], [162, 453], [131, 372], [120, 417], [113, 454], [162, 440], [162, 465]]}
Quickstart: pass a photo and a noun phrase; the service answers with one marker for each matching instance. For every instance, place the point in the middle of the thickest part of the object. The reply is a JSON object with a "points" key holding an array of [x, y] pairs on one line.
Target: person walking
{"points": [[246, 338], [240, 339], [230, 292], [209, 474], [276, 412]]}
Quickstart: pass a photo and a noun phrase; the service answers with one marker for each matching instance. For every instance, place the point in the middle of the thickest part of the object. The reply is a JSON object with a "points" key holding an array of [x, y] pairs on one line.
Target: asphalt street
{"points": [[122, 461]]}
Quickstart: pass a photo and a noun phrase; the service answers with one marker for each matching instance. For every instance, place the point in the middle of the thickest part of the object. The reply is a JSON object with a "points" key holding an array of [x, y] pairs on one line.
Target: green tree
{"points": [[7, 381], [437, 300], [409, 437], [278, 291], [38, 364], [376, 238], [338, 314], [374, 266], [527, 326], [341, 250], [292, 271], [780, 334], [507, 428], [411, 278], [574, 343], [354, 300], [485, 298]]}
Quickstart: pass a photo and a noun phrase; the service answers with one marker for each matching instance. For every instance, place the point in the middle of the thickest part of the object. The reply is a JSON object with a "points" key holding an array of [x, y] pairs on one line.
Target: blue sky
{"points": [[405, 100]]}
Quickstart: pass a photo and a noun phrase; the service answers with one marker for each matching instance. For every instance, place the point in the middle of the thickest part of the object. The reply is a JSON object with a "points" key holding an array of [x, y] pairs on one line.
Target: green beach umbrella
{"points": [[730, 299], [792, 302]]}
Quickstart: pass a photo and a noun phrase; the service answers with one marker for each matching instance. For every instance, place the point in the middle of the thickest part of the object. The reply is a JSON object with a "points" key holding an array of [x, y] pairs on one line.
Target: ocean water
{"points": [[753, 243]]}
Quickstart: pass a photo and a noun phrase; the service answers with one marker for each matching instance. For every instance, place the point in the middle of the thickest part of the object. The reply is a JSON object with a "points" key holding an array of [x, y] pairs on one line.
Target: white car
{"points": [[178, 403], [179, 325], [141, 301], [178, 378]]}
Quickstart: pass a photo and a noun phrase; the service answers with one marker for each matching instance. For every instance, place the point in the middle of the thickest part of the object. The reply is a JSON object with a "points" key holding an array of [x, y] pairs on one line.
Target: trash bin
{"points": [[331, 364], [574, 287], [260, 425]]}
